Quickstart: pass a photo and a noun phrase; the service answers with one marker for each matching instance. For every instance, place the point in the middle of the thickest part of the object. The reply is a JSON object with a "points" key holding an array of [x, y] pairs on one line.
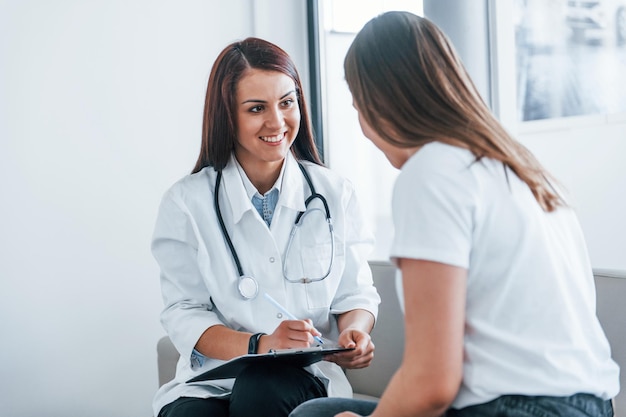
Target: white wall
{"points": [[587, 157], [100, 112]]}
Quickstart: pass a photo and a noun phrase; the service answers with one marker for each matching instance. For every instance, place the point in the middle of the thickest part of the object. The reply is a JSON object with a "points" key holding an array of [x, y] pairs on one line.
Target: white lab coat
{"points": [[199, 277]]}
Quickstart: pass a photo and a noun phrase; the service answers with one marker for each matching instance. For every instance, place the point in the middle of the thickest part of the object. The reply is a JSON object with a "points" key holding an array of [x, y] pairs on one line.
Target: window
{"points": [[563, 61], [570, 58], [346, 150]]}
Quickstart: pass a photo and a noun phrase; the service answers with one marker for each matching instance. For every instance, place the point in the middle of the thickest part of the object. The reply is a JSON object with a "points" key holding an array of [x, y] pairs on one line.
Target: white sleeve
{"points": [[356, 289], [187, 313], [433, 215]]}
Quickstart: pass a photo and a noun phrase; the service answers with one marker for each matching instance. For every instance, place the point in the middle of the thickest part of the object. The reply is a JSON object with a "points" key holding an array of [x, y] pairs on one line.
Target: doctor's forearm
{"points": [[356, 319], [220, 342]]}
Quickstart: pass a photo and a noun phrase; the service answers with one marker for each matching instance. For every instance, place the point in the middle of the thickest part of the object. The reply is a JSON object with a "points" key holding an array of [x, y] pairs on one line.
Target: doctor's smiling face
{"points": [[255, 108], [268, 118]]}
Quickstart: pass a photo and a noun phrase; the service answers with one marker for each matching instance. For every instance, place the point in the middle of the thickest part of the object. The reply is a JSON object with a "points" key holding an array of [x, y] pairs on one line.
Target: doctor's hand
{"points": [[363, 352], [289, 334]]}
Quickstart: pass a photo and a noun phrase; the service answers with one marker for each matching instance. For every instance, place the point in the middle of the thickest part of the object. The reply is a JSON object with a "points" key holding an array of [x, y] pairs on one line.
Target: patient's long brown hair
{"points": [[411, 87]]}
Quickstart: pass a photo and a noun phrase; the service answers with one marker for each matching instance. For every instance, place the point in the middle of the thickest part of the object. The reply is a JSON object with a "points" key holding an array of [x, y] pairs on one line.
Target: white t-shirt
{"points": [[531, 327]]}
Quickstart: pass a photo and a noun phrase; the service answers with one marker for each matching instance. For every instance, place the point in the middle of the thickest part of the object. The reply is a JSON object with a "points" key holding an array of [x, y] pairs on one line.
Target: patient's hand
{"points": [[363, 352]]}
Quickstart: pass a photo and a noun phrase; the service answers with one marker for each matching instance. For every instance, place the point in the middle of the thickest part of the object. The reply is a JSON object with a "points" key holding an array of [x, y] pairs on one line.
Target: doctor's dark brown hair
{"points": [[219, 127], [410, 86]]}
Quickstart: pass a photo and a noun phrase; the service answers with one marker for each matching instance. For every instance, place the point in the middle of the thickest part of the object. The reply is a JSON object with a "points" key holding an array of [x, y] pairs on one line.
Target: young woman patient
{"points": [[498, 288]]}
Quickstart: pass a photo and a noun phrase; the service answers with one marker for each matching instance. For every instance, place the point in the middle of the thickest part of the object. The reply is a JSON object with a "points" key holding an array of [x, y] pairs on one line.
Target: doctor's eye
{"points": [[256, 109], [288, 103]]}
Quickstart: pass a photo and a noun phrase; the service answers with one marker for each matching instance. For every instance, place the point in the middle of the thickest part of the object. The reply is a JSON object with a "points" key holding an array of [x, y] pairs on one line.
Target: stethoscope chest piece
{"points": [[248, 287]]}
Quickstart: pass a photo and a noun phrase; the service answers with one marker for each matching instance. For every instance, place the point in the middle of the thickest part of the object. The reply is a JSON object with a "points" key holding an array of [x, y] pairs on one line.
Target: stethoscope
{"points": [[247, 285]]}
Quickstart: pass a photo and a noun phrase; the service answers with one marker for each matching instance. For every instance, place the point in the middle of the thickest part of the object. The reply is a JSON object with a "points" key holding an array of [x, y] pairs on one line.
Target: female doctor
{"points": [[260, 215]]}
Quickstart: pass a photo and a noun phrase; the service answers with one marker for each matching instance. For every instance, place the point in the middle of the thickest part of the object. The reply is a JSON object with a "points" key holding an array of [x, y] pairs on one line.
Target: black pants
{"points": [[258, 391]]}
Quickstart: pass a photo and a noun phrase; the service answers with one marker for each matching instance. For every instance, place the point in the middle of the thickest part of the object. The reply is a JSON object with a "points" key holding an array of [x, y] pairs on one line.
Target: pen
{"points": [[288, 314]]}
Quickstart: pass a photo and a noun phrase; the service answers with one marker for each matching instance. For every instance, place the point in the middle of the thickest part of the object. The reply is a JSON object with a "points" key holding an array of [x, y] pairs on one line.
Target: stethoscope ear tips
{"points": [[248, 287]]}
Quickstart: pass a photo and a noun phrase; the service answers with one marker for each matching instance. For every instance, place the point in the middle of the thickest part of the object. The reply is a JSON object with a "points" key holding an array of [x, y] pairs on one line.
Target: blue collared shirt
{"points": [[266, 204]]}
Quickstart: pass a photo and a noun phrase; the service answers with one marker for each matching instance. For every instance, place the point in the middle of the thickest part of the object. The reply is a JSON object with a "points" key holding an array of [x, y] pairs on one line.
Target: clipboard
{"points": [[284, 357]]}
